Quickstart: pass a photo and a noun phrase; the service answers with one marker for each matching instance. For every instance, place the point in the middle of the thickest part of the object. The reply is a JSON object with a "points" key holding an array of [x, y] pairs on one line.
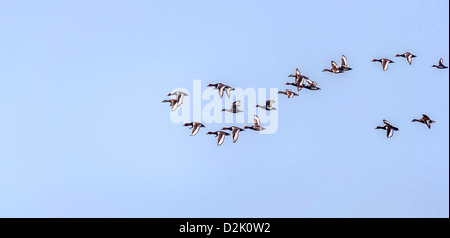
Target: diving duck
{"points": [[311, 85], [344, 66], [173, 103], [221, 136], [179, 96], [268, 105], [195, 126], [441, 64], [256, 125], [222, 87], [389, 128], [234, 132], [288, 92], [298, 76], [384, 62], [234, 107], [334, 68], [425, 120], [407, 55]]}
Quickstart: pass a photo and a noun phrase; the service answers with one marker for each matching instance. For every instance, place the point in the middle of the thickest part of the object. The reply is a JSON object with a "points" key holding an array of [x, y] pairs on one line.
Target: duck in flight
{"points": [[256, 125], [388, 127], [220, 136], [234, 107], [195, 126], [407, 55], [222, 87], [268, 105], [334, 69], [179, 96], [173, 103], [384, 62], [234, 132], [425, 120], [288, 92], [441, 64]]}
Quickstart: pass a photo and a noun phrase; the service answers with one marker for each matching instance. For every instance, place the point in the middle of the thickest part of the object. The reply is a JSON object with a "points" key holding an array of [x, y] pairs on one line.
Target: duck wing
{"points": [[344, 61], [256, 120]]}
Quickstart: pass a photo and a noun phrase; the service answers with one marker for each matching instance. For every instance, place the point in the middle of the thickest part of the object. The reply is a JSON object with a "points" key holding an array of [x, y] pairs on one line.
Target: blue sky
{"points": [[83, 132]]}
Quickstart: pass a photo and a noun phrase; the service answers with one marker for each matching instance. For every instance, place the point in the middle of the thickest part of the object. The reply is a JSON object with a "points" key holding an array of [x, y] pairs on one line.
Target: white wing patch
{"points": [[195, 129], [221, 139], [390, 132], [256, 119]]}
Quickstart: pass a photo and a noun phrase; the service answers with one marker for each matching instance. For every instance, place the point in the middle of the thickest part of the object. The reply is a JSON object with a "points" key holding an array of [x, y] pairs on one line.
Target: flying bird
{"points": [[441, 64], [173, 103], [425, 120], [179, 96], [222, 87], [406, 55], [256, 125], [234, 107], [384, 62], [388, 127], [234, 132], [288, 92], [220, 136], [334, 68], [268, 105], [195, 126]]}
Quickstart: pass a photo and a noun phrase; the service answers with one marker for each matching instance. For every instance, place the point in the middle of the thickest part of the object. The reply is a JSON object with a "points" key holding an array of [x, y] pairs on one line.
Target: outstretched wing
{"points": [[256, 121], [387, 123], [409, 58], [334, 65], [195, 129], [235, 133], [425, 117], [220, 91], [389, 132], [344, 61], [236, 103], [297, 72], [269, 103], [441, 62]]}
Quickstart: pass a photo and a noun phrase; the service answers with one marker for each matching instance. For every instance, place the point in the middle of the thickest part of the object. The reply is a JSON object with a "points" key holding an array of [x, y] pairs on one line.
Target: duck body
{"points": [[222, 88], [256, 125], [234, 132], [384, 62], [195, 126], [268, 106], [388, 127], [425, 120], [234, 107], [179, 96], [334, 69], [220, 136], [173, 103], [288, 92], [440, 65], [408, 56]]}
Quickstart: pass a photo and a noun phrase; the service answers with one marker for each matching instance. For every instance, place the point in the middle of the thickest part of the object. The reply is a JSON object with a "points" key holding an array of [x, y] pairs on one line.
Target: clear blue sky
{"points": [[83, 132]]}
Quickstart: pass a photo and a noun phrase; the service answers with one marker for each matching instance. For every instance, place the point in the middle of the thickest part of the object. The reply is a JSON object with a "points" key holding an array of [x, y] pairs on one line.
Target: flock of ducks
{"points": [[300, 82]]}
